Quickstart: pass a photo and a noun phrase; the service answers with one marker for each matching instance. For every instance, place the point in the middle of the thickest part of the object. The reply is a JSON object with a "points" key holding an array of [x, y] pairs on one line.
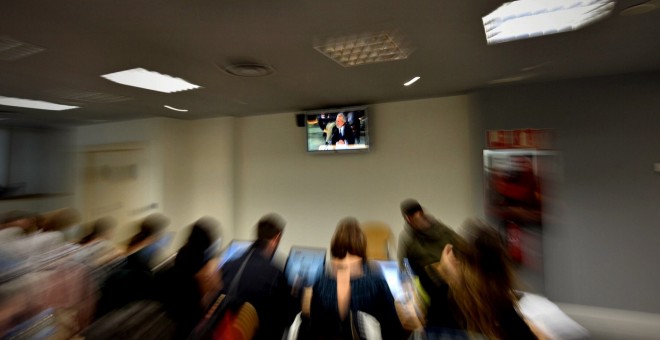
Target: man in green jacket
{"points": [[421, 242]]}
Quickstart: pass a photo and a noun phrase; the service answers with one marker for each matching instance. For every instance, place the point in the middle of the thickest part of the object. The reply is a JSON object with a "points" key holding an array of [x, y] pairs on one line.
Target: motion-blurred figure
{"points": [[134, 280], [421, 242], [65, 220], [354, 297], [194, 280], [101, 230], [98, 247], [261, 283], [481, 282], [24, 220]]}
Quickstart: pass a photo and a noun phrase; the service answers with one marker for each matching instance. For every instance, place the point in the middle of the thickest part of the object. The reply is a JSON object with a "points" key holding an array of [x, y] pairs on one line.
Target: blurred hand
{"points": [[306, 300], [408, 316]]}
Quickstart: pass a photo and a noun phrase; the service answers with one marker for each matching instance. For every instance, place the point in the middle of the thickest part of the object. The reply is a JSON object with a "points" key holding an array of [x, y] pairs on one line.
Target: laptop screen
{"points": [[393, 277], [304, 266], [234, 250]]}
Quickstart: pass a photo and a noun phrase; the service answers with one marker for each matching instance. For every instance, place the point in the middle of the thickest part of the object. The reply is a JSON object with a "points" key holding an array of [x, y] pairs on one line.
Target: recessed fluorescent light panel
{"points": [[34, 104], [175, 109], [365, 49], [150, 80], [411, 81], [533, 18]]}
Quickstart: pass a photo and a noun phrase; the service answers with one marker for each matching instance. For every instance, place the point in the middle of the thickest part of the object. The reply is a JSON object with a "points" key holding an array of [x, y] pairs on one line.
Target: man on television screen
{"points": [[341, 132]]}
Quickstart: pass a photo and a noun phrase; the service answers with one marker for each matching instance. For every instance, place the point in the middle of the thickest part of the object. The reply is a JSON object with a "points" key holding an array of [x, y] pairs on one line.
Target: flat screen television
{"points": [[337, 130]]}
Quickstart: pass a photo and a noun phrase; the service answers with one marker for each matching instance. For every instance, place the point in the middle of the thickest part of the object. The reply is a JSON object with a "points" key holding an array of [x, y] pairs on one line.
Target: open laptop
{"points": [[304, 266], [392, 275], [234, 250]]}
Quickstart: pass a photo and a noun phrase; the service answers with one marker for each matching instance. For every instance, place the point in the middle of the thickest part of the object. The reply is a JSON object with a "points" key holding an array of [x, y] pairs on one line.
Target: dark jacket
{"points": [[423, 248], [369, 294], [263, 285], [182, 293], [348, 136]]}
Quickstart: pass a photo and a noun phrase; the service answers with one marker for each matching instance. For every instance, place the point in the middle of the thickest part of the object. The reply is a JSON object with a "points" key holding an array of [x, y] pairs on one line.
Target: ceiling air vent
{"points": [[249, 70]]}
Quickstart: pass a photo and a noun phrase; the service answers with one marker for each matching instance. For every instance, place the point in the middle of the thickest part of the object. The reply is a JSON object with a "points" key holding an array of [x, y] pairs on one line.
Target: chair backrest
{"points": [[247, 321], [241, 325], [379, 240]]}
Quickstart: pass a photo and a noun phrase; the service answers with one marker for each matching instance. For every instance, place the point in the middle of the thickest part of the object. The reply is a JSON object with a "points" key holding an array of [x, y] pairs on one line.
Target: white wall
{"points": [[197, 164], [174, 142], [136, 131], [190, 166], [238, 169], [211, 157], [420, 149]]}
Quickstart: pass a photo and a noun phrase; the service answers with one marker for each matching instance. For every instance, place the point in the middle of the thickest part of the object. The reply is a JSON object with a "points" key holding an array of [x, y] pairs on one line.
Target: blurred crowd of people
{"points": [[60, 280]]}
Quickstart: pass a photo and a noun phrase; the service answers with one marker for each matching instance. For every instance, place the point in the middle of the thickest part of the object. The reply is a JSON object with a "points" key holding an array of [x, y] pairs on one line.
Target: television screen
{"points": [[343, 129], [304, 266]]}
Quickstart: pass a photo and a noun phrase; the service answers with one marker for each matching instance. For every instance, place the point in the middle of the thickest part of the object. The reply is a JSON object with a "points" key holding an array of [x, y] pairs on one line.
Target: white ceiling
{"points": [[193, 39]]}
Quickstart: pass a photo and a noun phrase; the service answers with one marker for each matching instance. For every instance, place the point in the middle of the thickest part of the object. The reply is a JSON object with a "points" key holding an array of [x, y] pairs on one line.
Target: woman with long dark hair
{"points": [[481, 282]]}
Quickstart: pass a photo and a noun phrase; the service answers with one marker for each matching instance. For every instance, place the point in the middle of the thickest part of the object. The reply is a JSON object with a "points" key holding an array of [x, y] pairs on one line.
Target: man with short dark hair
{"points": [[421, 242], [261, 283]]}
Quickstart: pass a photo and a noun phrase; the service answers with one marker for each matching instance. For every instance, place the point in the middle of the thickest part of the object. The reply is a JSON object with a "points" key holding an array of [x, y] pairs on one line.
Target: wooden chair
{"points": [[242, 325], [380, 240], [247, 321]]}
